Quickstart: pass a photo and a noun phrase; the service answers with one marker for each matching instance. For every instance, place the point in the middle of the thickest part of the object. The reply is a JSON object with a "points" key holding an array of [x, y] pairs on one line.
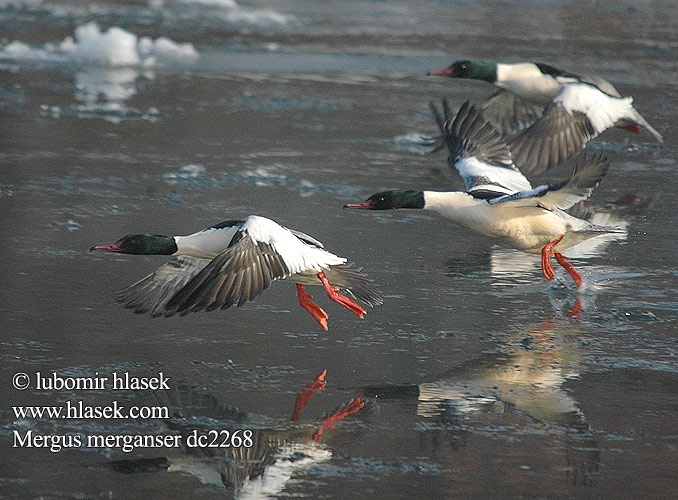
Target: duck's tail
{"points": [[358, 284]]}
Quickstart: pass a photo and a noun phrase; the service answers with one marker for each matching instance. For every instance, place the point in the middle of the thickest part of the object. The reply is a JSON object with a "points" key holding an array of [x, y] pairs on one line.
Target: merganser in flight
{"points": [[232, 263], [576, 109], [499, 201]]}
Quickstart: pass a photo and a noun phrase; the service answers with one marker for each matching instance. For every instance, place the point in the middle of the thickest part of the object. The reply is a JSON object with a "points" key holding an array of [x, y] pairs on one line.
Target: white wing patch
{"points": [[298, 256], [478, 175], [602, 110]]}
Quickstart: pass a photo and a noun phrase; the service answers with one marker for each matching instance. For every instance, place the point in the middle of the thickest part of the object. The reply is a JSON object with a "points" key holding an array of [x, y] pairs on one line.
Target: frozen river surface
{"points": [[479, 378]]}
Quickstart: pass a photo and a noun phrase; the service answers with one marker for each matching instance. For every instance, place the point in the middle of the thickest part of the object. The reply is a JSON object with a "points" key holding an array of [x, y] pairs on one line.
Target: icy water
{"points": [[479, 378]]}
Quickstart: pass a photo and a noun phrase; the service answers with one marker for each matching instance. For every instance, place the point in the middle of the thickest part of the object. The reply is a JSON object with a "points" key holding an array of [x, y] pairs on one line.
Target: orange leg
{"points": [[339, 298], [546, 254], [305, 396], [314, 309], [331, 421], [568, 267]]}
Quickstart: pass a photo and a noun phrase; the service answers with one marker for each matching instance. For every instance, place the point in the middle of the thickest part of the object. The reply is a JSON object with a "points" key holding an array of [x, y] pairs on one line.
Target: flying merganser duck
{"points": [[499, 201], [233, 262], [576, 109]]}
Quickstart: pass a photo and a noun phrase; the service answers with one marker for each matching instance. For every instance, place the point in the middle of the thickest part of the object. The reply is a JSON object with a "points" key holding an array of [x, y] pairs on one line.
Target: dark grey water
{"points": [[479, 380]]}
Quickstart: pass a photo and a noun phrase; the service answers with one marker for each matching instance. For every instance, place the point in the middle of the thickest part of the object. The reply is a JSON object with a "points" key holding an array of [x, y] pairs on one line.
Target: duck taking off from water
{"points": [[499, 201], [235, 261], [547, 114]]}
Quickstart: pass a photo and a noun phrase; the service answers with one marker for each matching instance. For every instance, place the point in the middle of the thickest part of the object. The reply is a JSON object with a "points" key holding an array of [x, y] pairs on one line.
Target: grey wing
{"points": [[510, 113], [151, 293], [587, 174], [470, 134], [235, 276], [554, 138]]}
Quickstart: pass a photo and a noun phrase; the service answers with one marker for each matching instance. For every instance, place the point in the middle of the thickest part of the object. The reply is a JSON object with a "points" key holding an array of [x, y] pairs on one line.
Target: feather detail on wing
{"points": [[478, 153], [510, 113], [356, 283], [235, 276], [557, 136], [586, 175], [151, 294]]}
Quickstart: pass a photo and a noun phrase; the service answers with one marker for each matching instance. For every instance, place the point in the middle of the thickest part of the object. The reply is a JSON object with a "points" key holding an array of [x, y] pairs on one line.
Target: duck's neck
{"points": [[456, 206], [205, 244], [527, 81]]}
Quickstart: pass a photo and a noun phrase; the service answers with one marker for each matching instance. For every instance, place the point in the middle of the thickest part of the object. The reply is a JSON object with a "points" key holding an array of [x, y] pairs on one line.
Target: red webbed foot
{"points": [[330, 422], [546, 254], [305, 396], [339, 298], [314, 309]]}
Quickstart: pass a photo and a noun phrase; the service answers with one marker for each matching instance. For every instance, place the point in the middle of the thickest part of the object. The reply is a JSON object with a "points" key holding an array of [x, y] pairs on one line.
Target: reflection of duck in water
{"points": [[261, 470], [523, 383]]}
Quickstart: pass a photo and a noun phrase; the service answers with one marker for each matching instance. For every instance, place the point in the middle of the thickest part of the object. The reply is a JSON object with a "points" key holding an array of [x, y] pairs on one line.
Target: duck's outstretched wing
{"points": [[587, 174], [478, 153], [237, 275], [510, 113], [552, 139], [153, 292], [579, 113]]}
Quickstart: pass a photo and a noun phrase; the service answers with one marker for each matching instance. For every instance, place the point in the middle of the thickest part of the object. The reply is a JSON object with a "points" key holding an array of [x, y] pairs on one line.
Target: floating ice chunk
{"points": [[20, 51], [113, 47], [229, 4], [257, 17], [237, 15], [265, 176], [185, 173], [164, 49]]}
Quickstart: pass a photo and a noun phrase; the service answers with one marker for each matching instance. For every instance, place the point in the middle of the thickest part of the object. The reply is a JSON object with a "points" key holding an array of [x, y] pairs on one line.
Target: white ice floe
{"points": [[229, 4], [186, 173], [113, 47], [235, 14]]}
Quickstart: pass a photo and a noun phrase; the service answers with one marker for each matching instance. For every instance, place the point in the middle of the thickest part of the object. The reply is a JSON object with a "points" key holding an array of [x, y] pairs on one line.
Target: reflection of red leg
{"points": [[546, 254], [305, 396], [575, 312], [316, 311], [339, 298], [568, 267], [331, 421]]}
